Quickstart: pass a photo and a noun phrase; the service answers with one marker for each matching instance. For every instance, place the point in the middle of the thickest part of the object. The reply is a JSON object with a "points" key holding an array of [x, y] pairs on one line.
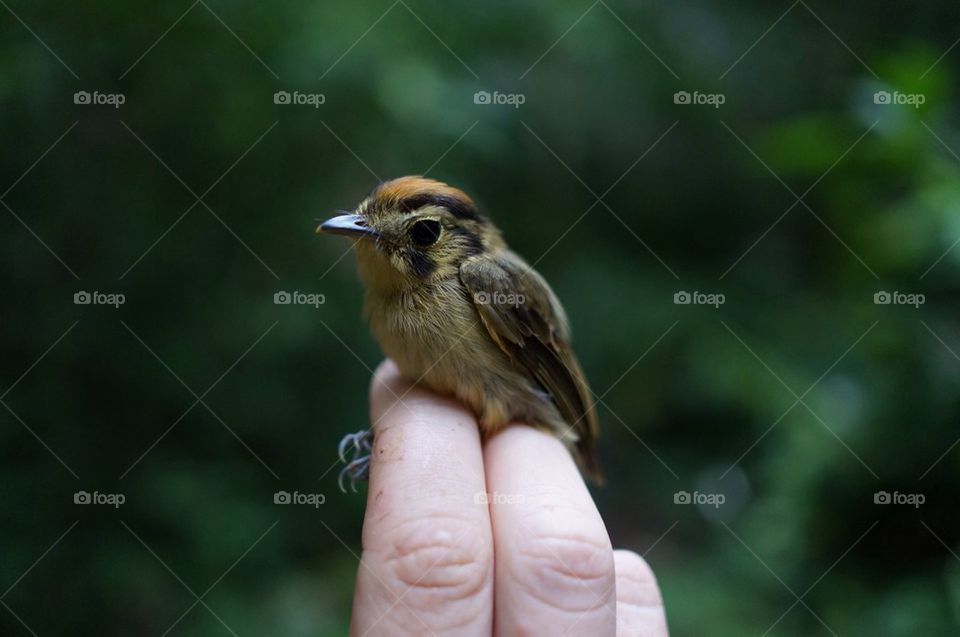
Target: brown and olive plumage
{"points": [[461, 314]]}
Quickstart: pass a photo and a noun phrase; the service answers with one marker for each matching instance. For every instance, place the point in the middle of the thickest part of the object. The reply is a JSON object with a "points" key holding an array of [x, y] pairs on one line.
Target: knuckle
{"points": [[435, 559], [570, 573]]}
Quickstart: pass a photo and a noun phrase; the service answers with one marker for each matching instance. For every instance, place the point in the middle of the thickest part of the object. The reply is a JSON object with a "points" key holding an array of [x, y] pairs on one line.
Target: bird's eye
{"points": [[425, 232]]}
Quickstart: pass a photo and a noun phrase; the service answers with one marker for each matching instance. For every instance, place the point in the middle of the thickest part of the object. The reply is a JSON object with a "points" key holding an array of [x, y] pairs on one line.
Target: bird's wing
{"points": [[527, 322]]}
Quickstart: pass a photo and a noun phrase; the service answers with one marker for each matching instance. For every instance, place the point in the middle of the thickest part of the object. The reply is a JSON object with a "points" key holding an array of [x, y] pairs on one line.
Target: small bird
{"points": [[463, 315]]}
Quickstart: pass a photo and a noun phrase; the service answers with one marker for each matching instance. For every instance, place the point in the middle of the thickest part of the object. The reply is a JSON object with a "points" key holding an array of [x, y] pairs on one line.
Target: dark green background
{"points": [[711, 383]]}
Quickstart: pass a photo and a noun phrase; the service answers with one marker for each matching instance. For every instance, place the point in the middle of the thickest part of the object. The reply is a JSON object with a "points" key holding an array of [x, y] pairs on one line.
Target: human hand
{"points": [[439, 560]]}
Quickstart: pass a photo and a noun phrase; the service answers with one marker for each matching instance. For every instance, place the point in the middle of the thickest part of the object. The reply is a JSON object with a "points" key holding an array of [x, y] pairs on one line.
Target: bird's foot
{"points": [[357, 468]]}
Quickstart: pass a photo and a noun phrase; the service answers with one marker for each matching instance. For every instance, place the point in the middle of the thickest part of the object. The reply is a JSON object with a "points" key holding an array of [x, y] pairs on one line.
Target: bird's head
{"points": [[412, 231]]}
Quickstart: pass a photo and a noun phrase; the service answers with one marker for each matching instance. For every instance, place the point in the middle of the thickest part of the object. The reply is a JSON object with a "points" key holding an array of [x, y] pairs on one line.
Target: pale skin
{"points": [[532, 558]]}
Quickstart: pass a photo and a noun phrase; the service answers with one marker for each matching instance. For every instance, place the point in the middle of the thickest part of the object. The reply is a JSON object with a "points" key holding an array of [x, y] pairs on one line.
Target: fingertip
{"points": [[421, 438], [386, 376], [385, 386], [387, 370], [547, 454], [394, 398]]}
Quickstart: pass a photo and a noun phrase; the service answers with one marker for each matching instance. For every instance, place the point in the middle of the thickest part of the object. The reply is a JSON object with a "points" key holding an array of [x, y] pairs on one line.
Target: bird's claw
{"points": [[357, 468]]}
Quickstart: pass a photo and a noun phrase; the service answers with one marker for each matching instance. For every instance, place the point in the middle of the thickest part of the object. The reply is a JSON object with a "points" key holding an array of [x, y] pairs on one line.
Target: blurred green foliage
{"points": [[699, 399]]}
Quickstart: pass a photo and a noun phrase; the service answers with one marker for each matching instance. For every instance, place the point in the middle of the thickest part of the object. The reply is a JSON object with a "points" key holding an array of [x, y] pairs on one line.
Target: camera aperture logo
{"points": [[699, 298], [299, 298], [99, 298], [511, 299], [915, 500], [110, 499], [96, 98], [299, 99], [899, 99], [898, 298], [705, 499], [697, 98], [497, 98], [309, 499]]}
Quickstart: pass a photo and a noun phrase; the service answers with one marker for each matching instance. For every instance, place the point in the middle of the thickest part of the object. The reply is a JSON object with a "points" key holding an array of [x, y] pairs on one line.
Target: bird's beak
{"points": [[349, 225]]}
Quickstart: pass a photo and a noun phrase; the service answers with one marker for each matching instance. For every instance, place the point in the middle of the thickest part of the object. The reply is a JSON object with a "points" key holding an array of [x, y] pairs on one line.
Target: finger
{"points": [[554, 563], [427, 565], [639, 605]]}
